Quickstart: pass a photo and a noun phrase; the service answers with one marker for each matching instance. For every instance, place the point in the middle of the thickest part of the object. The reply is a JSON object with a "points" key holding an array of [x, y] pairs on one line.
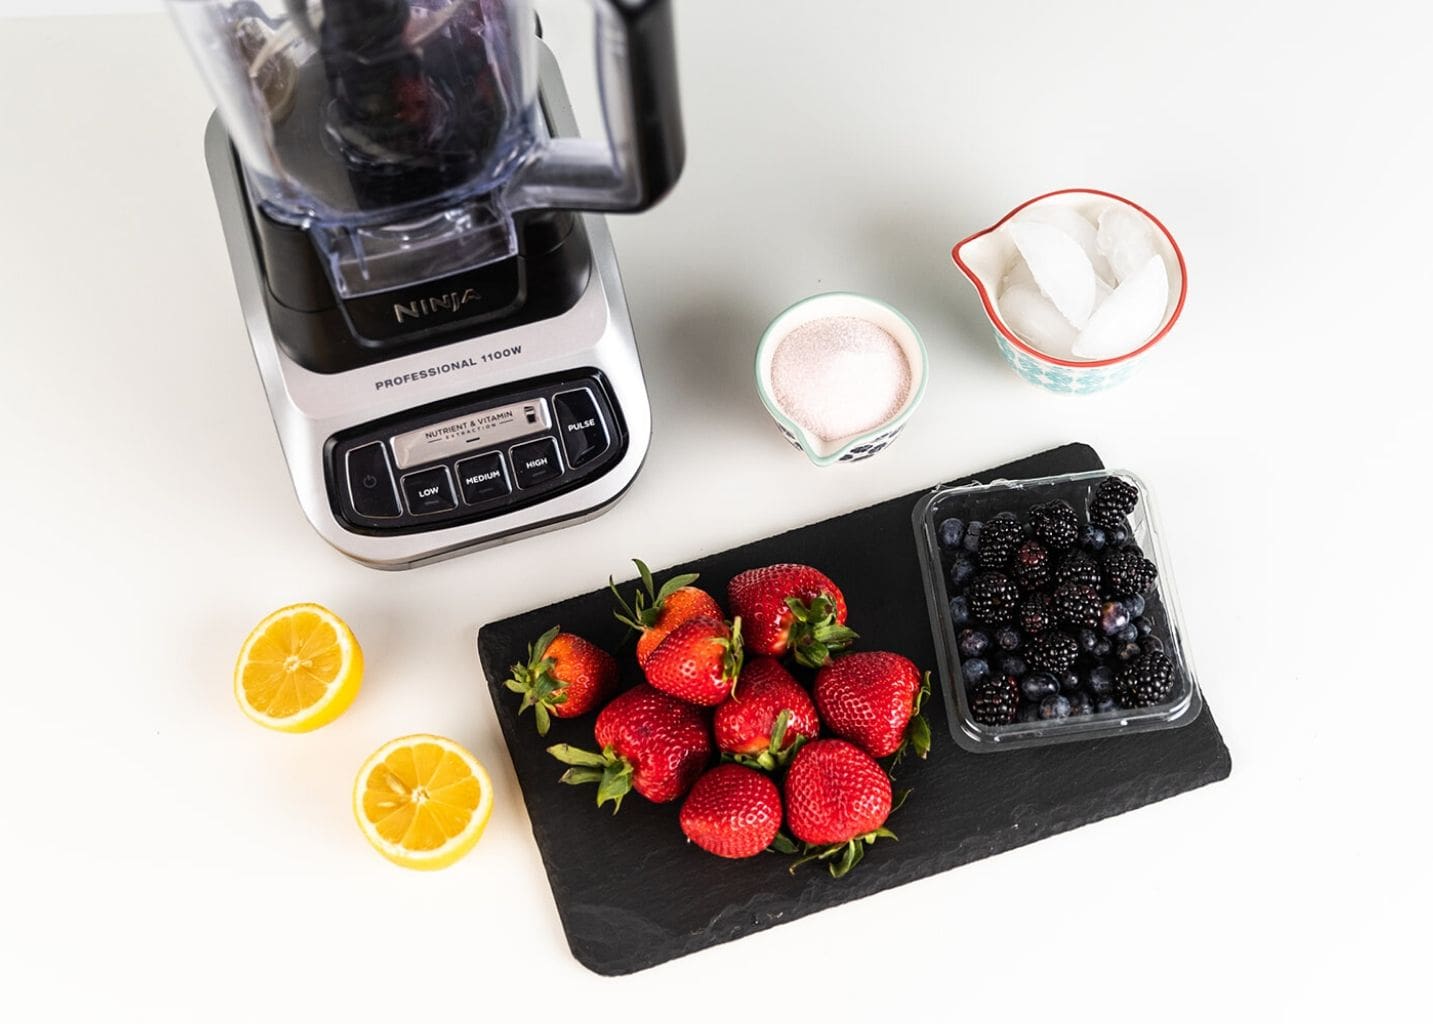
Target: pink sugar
{"points": [[840, 376]]}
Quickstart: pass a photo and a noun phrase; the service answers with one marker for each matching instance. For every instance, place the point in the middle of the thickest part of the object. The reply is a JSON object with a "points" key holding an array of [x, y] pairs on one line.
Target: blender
{"points": [[416, 237]]}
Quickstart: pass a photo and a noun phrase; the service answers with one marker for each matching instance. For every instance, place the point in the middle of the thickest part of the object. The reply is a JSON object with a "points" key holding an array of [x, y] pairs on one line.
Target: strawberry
{"points": [[837, 802], [565, 676], [790, 608], [655, 614], [650, 742], [699, 661], [873, 699], [767, 717], [732, 811]]}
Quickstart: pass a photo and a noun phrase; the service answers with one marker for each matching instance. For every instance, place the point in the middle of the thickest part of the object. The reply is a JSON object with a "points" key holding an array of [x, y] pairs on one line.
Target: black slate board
{"points": [[633, 893]]}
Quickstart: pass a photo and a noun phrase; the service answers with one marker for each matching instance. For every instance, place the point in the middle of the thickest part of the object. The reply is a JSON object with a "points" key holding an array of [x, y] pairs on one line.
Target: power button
{"points": [[371, 490]]}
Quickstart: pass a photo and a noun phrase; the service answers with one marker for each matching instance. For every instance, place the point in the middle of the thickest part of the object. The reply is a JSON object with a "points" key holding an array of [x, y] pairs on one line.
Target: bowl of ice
{"points": [[1079, 286]]}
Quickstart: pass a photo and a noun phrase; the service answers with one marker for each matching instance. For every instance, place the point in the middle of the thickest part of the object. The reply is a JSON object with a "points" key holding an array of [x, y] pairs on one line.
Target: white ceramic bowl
{"points": [[818, 307], [984, 257]]}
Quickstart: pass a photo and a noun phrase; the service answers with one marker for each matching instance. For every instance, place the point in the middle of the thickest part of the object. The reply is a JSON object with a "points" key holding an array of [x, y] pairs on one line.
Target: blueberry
{"points": [[1013, 665], [1128, 652], [976, 670], [1004, 515], [972, 643], [1135, 604], [1103, 649], [1144, 626], [1129, 634], [1152, 645], [971, 542], [1117, 536], [1114, 616], [951, 532], [962, 569], [1081, 704], [1087, 639], [1029, 713], [1102, 680], [1057, 706], [1070, 681], [1008, 638], [1039, 685], [1092, 537], [1106, 704], [959, 612]]}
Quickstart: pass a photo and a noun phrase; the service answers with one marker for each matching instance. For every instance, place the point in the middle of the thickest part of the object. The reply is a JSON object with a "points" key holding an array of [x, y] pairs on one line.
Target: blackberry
{"points": [[1146, 681], [1037, 614], [1078, 567], [1128, 572], [993, 597], [1114, 499], [1031, 565], [1077, 604], [1053, 652], [996, 702], [1056, 524], [998, 542]]}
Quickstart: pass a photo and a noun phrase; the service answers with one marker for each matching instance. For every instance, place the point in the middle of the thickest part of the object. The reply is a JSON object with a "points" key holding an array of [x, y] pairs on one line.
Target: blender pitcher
{"points": [[388, 144]]}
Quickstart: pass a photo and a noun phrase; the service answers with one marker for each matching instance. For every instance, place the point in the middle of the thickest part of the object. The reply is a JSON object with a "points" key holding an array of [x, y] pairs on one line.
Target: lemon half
{"points": [[299, 669]]}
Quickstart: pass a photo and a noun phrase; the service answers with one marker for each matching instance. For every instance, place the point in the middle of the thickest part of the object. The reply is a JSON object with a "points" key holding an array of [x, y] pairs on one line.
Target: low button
{"points": [[536, 462], [370, 482], [429, 491], [584, 435], [482, 478]]}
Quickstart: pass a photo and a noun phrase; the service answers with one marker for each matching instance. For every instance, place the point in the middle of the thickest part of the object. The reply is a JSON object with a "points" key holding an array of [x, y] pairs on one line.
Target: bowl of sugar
{"points": [[840, 374], [1079, 286]]}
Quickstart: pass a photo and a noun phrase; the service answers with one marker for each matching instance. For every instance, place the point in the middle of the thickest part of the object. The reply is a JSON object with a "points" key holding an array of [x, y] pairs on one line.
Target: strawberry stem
{"points": [[814, 632], [611, 772], [540, 689]]}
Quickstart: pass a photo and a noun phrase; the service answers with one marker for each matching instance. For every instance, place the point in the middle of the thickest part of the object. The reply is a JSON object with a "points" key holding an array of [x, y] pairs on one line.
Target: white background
{"points": [[165, 859]]}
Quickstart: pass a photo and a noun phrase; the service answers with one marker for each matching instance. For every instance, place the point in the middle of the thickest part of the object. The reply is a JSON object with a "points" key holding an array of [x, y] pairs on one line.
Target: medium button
{"points": [[429, 491], [584, 435], [482, 478], [370, 482], [536, 462]]}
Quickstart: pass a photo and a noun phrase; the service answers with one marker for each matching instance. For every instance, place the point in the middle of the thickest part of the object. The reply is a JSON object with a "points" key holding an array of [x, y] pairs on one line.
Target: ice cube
{"points": [[1125, 239], [1130, 316], [1018, 274], [1073, 223], [1061, 268], [1032, 316]]}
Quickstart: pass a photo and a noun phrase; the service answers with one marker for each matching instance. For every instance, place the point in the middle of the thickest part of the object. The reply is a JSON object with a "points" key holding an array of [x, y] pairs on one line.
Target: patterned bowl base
{"points": [[861, 451], [1065, 380]]}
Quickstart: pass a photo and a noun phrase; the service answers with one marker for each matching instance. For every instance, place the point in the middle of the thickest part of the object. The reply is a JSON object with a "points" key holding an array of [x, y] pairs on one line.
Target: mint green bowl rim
{"points": [[768, 338]]}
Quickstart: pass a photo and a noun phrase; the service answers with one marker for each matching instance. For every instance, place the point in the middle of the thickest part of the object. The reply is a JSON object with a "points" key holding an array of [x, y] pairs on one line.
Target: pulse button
{"points": [[429, 491], [370, 482], [536, 462], [584, 435]]}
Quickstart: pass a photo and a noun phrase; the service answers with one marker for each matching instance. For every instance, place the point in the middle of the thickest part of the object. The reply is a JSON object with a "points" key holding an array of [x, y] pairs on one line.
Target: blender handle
{"points": [[646, 147]]}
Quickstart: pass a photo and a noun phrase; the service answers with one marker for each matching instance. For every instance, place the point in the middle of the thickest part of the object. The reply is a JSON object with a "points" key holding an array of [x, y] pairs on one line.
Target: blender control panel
{"points": [[474, 457]]}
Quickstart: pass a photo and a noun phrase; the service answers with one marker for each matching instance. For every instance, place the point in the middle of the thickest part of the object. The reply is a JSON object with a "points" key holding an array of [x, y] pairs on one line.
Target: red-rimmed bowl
{"points": [[985, 256]]}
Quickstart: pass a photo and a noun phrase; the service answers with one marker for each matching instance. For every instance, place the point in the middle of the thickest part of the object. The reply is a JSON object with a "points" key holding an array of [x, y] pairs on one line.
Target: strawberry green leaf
{"points": [[568, 754], [783, 844], [544, 720], [646, 575]]}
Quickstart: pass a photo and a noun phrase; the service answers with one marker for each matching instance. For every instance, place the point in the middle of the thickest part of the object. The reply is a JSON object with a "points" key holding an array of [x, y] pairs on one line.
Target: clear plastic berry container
{"points": [[981, 502]]}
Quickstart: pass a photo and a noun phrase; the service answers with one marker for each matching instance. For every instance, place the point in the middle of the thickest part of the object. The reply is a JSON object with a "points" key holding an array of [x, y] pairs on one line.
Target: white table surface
{"points": [[165, 859]]}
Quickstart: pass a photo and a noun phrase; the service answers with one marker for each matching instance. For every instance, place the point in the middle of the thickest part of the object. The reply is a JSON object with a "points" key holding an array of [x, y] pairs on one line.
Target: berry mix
{"points": [[1050, 613]]}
